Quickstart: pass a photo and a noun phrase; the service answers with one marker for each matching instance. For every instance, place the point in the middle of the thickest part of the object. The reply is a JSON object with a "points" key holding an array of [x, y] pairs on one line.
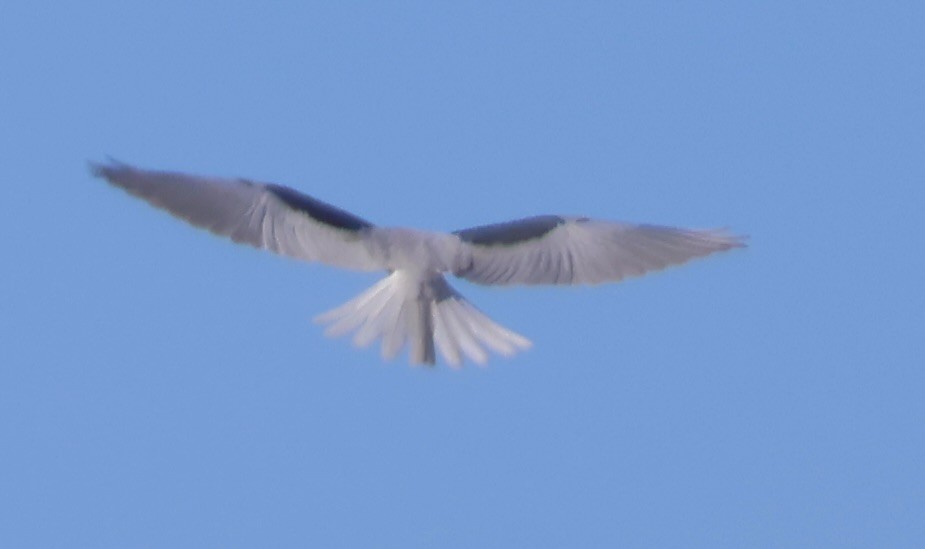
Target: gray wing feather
{"points": [[271, 217], [578, 250], [511, 232]]}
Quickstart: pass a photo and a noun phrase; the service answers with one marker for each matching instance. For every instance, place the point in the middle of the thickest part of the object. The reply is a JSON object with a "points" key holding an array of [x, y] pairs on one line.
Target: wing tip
{"points": [[733, 240], [106, 169], [722, 237]]}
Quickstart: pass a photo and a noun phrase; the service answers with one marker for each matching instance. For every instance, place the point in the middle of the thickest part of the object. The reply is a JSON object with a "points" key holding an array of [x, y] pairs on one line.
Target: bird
{"points": [[414, 305]]}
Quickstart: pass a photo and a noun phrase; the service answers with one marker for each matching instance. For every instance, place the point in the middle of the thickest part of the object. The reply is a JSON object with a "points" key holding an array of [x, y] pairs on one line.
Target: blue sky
{"points": [[160, 387]]}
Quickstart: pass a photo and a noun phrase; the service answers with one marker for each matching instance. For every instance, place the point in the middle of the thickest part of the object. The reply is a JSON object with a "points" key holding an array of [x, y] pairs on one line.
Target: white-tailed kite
{"points": [[414, 305]]}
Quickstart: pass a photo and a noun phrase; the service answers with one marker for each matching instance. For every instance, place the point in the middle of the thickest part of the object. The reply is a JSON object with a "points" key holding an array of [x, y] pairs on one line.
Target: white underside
{"points": [[424, 314]]}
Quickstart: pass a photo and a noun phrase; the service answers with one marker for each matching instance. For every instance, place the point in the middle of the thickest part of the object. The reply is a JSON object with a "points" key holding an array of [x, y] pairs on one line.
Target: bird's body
{"points": [[421, 252], [414, 305]]}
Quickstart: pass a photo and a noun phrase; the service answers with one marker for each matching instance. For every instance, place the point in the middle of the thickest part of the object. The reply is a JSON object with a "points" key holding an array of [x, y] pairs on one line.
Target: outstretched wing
{"points": [[266, 216], [576, 250]]}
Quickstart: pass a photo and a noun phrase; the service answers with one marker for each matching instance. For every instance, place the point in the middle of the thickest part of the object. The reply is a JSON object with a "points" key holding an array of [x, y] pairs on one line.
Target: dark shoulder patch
{"points": [[318, 210], [511, 232]]}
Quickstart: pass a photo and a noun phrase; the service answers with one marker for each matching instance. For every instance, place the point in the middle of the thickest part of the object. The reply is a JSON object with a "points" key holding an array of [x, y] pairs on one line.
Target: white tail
{"points": [[424, 313]]}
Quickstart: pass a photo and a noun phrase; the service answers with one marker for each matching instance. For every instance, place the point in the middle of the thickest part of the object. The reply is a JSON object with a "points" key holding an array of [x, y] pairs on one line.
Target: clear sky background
{"points": [[160, 387]]}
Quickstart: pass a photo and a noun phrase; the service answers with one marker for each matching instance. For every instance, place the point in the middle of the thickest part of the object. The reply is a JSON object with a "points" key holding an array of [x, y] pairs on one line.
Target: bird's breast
{"points": [[413, 250]]}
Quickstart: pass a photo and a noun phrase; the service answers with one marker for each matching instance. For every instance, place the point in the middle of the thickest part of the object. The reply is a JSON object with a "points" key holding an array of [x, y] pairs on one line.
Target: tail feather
{"points": [[349, 317], [445, 339], [421, 336], [378, 318], [425, 315], [471, 329], [393, 340], [489, 332], [459, 329]]}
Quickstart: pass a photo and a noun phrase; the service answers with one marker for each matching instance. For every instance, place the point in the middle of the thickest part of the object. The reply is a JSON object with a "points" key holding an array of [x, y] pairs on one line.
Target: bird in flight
{"points": [[414, 305]]}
